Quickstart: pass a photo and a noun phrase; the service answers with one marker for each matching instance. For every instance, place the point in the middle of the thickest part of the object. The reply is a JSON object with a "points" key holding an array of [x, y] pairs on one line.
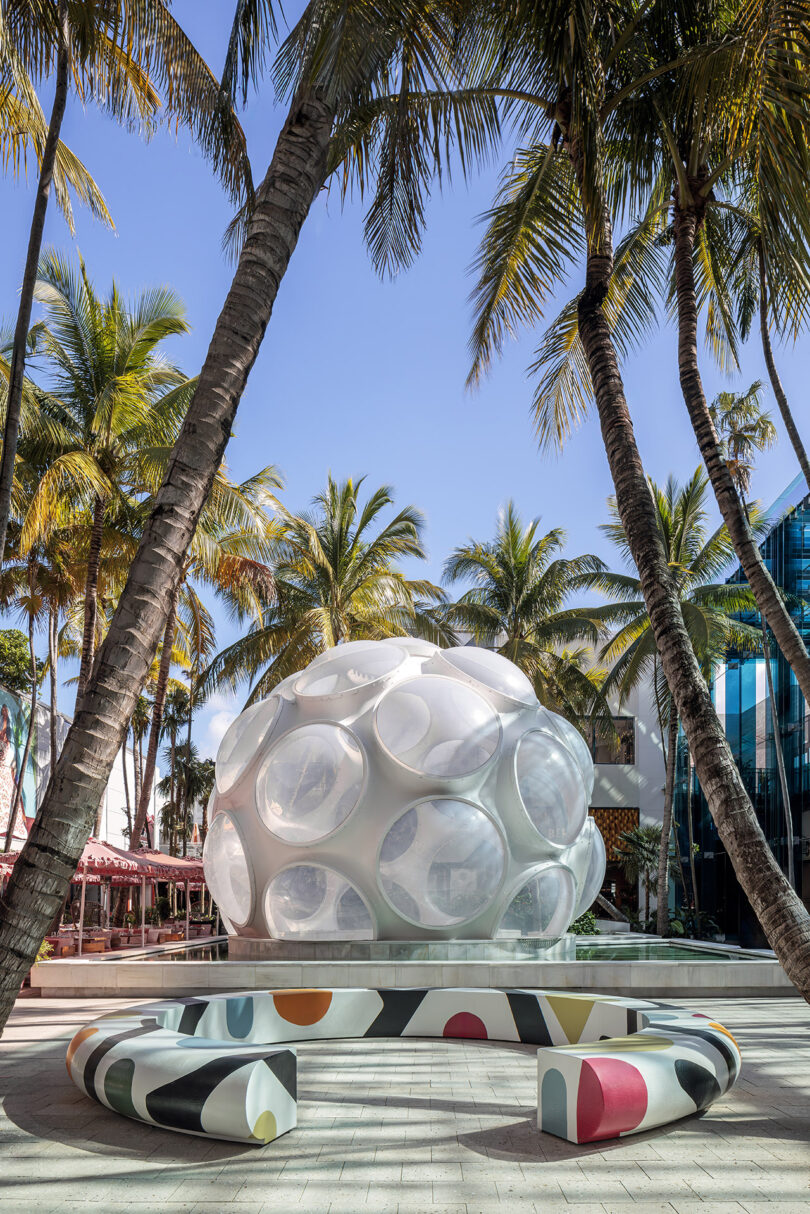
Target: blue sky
{"points": [[359, 376]]}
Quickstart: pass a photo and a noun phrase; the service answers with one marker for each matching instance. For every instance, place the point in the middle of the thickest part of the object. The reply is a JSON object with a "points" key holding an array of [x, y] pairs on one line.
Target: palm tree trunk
{"points": [[282, 203], [780, 758], [191, 680], [91, 598], [173, 792], [17, 367], [32, 720], [773, 374], [784, 919], [204, 821], [136, 773], [53, 663], [768, 599], [690, 831], [127, 802], [662, 894], [157, 721]]}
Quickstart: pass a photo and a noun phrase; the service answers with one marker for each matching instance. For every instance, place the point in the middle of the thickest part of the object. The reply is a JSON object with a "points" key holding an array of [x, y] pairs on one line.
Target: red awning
{"points": [[175, 868], [100, 860]]}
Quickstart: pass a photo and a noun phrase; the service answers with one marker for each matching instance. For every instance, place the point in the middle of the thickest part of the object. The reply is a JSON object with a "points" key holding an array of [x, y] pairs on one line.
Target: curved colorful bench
{"points": [[219, 1065]]}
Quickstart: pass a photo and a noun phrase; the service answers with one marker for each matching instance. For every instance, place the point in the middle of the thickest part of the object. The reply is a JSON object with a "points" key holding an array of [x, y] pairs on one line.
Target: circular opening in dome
{"points": [[551, 787], [437, 727], [311, 902], [441, 863], [493, 671], [310, 782], [227, 872], [595, 871], [543, 906], [242, 741], [346, 668]]}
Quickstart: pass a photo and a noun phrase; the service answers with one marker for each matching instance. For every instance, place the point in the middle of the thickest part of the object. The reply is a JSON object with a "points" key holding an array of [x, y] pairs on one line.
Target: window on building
{"points": [[618, 747]]}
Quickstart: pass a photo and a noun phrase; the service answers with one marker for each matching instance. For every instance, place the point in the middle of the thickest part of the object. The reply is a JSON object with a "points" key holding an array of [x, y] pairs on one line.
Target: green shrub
{"points": [[585, 925], [15, 660]]}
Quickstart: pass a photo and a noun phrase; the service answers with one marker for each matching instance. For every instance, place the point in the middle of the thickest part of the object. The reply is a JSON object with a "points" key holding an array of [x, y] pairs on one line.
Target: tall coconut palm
{"points": [[29, 604], [697, 556], [516, 603], [138, 728], [744, 431], [669, 129], [115, 52], [707, 139], [118, 398], [53, 552], [768, 304], [578, 72], [38, 583], [335, 579], [175, 717], [769, 285], [229, 555]]}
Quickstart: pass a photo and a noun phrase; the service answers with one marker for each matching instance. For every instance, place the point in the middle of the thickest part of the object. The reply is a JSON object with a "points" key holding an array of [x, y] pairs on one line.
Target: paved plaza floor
{"points": [[409, 1126]]}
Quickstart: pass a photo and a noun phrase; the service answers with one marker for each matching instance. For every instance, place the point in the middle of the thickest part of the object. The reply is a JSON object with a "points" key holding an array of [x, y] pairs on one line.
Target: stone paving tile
{"points": [[707, 1207], [638, 1207], [770, 1207], [406, 1126]]}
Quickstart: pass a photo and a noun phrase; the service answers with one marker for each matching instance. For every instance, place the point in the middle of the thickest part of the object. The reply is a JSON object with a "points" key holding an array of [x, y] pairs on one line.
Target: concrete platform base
{"points": [[649, 979]]}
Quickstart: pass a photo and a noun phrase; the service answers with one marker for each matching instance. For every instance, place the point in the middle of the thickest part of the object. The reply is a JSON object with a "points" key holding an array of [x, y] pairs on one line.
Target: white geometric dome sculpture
{"points": [[394, 790]]}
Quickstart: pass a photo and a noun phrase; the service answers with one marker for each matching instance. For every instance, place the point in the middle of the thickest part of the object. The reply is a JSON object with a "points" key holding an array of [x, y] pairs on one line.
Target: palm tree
{"points": [[138, 727], [577, 74], [341, 64], [175, 716], [697, 557], [768, 303], [768, 283], [744, 431], [114, 52], [520, 585], [118, 399], [706, 141], [638, 858], [27, 599], [228, 554], [205, 777], [335, 580], [60, 589]]}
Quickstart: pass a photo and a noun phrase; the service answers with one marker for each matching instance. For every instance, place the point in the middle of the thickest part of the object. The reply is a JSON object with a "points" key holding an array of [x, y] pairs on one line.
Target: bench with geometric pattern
{"points": [[224, 1066]]}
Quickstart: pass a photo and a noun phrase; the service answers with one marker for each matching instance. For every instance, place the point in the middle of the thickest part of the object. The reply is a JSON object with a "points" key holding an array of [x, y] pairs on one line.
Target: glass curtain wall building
{"points": [[740, 693]]}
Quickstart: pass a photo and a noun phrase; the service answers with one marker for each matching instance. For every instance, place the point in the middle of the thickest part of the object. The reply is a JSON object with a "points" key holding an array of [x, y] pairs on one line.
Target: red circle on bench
{"points": [[465, 1024]]}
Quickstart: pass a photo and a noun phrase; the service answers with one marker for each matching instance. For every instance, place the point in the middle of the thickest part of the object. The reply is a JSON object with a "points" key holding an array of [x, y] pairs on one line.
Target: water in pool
{"points": [[587, 950]]}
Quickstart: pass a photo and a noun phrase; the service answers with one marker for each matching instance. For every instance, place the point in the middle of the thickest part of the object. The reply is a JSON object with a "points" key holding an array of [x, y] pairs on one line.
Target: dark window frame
{"points": [[604, 750]]}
